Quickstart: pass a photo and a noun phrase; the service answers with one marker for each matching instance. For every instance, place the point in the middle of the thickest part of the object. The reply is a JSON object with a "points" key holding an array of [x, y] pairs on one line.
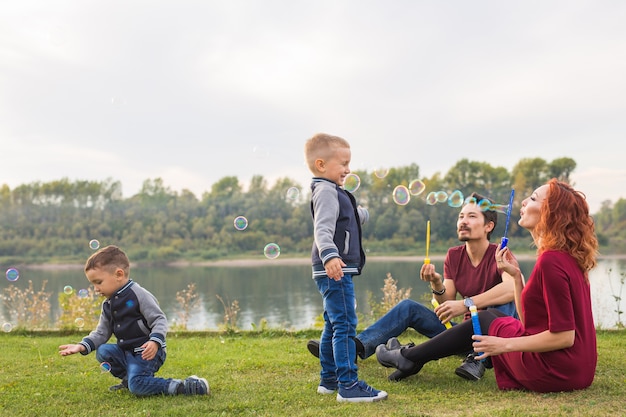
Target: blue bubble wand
{"points": [[475, 322], [505, 239]]}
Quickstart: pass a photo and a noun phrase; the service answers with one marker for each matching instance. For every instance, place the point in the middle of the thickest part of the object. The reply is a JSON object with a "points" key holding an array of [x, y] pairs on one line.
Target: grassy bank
{"points": [[272, 374]]}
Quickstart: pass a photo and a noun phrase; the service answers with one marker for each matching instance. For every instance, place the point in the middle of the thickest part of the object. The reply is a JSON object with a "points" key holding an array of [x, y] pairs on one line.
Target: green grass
{"points": [[271, 373]]}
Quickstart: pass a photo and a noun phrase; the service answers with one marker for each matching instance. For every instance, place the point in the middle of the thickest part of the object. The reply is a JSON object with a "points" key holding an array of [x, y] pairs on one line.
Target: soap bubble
{"points": [[240, 223], [484, 204], [381, 172], [12, 274], [401, 195], [455, 199], [351, 183], [94, 244], [441, 196], [271, 251], [417, 187], [500, 208], [293, 193]]}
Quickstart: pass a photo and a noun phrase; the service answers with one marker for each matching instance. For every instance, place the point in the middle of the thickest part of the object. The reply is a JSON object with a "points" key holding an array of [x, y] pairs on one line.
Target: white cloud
{"points": [[195, 91]]}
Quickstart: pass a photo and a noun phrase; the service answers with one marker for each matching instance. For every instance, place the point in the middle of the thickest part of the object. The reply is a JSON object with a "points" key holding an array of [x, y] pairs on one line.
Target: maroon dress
{"points": [[556, 298]]}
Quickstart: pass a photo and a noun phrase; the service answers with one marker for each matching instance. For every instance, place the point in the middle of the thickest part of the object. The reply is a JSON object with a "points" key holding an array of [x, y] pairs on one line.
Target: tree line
{"points": [[54, 221]]}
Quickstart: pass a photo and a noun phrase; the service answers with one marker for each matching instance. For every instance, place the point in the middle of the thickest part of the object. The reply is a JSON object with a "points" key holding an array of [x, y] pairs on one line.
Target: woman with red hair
{"points": [[552, 347]]}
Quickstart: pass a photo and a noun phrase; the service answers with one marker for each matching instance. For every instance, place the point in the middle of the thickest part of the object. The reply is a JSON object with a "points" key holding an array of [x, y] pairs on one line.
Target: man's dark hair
{"points": [[490, 214]]}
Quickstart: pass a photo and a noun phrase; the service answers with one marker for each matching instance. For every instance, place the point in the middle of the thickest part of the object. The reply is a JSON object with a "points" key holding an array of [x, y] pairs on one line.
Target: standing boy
{"points": [[133, 315], [337, 255]]}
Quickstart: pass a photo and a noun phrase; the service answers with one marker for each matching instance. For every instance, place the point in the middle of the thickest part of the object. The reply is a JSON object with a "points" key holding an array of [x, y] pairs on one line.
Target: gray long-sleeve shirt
{"points": [[133, 315]]}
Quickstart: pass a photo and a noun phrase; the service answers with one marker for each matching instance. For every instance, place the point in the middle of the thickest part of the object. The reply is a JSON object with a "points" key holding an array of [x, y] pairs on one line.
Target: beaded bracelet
{"points": [[442, 292]]}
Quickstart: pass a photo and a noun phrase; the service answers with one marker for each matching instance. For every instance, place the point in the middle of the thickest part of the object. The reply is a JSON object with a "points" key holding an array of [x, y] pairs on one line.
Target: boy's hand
{"points": [[150, 349], [333, 268], [65, 350]]}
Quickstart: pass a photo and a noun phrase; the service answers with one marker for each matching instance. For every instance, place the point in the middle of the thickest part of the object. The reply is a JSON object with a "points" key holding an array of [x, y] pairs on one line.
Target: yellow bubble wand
{"points": [[436, 304], [427, 261]]}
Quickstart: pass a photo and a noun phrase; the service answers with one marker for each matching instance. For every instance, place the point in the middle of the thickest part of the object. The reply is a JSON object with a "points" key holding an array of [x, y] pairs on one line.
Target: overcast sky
{"points": [[193, 91]]}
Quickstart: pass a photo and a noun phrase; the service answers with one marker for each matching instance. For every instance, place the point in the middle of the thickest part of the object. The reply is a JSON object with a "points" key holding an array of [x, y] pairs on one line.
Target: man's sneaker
{"points": [[194, 385], [471, 369], [360, 392], [327, 388], [314, 347], [487, 362], [120, 386]]}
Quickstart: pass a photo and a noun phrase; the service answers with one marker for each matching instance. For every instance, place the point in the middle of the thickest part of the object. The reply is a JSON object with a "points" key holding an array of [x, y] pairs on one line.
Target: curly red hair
{"points": [[566, 225]]}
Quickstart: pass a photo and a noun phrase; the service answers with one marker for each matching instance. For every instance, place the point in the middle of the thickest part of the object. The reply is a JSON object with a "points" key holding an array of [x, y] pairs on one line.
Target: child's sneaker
{"points": [[327, 387], [122, 385], [194, 385], [360, 392]]}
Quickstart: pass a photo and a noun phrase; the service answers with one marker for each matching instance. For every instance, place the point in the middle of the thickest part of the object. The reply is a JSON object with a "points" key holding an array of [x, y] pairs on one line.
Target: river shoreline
{"points": [[250, 262]]}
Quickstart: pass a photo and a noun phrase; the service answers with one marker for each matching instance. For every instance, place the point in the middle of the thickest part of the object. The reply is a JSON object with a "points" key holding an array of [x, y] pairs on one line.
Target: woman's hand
{"points": [[507, 262]]}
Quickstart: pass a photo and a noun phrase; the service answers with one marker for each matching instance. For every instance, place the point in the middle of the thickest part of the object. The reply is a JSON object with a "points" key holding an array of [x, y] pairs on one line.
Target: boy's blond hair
{"points": [[322, 146]]}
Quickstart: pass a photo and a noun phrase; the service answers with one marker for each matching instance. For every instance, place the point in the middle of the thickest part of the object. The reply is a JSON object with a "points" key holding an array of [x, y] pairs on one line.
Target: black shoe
{"points": [[398, 375], [394, 343], [487, 362], [360, 349], [393, 359], [120, 386], [471, 369], [314, 347], [193, 385]]}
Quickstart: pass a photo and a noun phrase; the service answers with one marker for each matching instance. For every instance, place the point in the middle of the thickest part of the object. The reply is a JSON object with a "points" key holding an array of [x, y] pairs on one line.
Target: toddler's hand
{"points": [[65, 350]]}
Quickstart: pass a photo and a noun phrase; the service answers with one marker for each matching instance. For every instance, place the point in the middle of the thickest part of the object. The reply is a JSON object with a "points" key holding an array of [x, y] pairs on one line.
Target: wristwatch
{"points": [[468, 302]]}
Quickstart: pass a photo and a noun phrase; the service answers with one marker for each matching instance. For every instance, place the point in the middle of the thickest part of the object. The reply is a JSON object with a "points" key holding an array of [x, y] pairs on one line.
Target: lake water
{"points": [[284, 294]]}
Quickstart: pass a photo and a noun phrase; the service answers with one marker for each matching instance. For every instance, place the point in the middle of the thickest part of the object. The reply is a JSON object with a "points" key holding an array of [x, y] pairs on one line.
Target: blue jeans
{"points": [[337, 346], [407, 313], [139, 373]]}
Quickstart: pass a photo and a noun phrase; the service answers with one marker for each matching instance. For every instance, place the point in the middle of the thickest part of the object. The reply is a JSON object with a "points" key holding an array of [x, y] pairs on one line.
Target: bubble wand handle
{"points": [[436, 304], [505, 239], [427, 259], [475, 321]]}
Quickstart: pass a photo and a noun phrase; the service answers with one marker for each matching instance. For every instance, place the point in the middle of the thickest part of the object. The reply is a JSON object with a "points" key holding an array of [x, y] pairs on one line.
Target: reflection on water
{"points": [[286, 296]]}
